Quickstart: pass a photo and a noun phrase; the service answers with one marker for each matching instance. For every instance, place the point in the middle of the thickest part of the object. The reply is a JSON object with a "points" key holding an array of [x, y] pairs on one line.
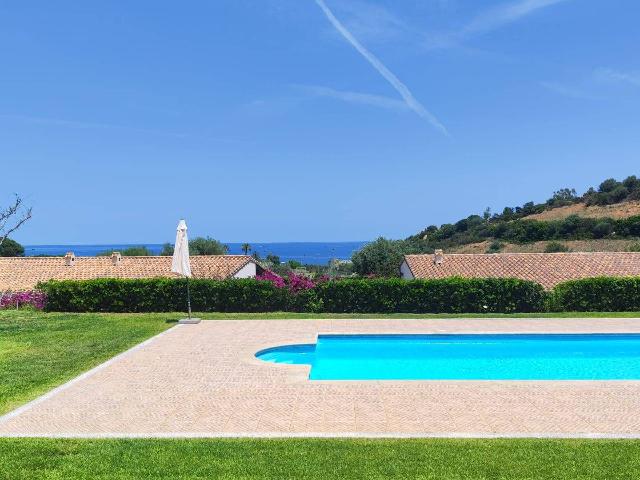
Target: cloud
{"points": [[371, 22], [357, 97], [492, 19], [567, 91], [395, 82], [613, 76]]}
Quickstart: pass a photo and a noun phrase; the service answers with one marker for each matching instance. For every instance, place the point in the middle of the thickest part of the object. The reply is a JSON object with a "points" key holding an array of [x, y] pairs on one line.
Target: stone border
{"points": [[27, 406]]}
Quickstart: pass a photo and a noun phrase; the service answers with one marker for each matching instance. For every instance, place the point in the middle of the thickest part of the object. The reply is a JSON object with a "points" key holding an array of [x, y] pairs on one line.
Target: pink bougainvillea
{"points": [[274, 278], [298, 283], [33, 298], [295, 283]]}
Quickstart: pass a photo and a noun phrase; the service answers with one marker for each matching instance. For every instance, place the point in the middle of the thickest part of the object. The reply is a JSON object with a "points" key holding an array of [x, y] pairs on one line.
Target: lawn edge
{"points": [[60, 388]]}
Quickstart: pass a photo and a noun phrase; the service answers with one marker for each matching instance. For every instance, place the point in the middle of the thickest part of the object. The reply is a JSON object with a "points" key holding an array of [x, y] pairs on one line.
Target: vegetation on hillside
{"points": [[514, 225]]}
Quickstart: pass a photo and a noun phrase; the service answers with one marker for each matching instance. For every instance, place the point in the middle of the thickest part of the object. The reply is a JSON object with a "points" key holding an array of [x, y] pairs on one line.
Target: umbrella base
{"points": [[189, 321]]}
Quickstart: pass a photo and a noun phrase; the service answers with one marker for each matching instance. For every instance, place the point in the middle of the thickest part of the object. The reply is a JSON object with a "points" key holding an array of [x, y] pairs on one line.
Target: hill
{"points": [[606, 218], [624, 209]]}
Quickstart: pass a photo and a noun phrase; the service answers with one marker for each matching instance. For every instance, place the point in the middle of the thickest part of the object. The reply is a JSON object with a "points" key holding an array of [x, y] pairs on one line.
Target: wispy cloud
{"points": [[371, 22], [614, 76], [356, 97], [395, 82], [492, 19], [568, 91]]}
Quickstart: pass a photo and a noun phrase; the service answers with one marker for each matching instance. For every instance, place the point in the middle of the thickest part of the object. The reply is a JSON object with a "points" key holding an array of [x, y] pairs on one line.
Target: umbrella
{"points": [[180, 263]]}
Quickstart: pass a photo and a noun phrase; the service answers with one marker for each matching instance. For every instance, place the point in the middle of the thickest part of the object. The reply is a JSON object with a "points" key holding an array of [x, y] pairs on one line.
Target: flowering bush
{"points": [[295, 283], [298, 283], [33, 298], [274, 278]]}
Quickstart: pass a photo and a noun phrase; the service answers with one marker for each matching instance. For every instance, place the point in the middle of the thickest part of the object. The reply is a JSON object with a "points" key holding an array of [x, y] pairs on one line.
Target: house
{"points": [[23, 273], [547, 269]]}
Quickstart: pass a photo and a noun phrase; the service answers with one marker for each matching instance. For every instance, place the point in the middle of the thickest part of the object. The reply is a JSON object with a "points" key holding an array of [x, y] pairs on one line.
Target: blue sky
{"points": [[302, 120]]}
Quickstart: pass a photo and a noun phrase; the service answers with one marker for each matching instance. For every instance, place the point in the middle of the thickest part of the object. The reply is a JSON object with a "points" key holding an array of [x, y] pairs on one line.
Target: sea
{"points": [[311, 253]]}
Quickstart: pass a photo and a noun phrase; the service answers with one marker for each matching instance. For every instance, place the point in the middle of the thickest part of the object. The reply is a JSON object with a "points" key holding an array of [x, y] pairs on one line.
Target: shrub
{"points": [[140, 251], [555, 247], [30, 298], [206, 246], [163, 295], [634, 247], [495, 247], [602, 294], [450, 295], [11, 248], [381, 257]]}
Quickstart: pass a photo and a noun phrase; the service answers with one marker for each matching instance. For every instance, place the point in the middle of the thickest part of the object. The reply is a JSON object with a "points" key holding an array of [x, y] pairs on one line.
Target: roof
{"points": [[20, 273], [548, 269]]}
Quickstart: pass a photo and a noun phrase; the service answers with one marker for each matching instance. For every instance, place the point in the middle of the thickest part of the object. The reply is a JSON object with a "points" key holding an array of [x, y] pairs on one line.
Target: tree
{"points": [[294, 264], [13, 217], [11, 248], [206, 246], [562, 197], [381, 257], [274, 259], [140, 251], [246, 248], [167, 250]]}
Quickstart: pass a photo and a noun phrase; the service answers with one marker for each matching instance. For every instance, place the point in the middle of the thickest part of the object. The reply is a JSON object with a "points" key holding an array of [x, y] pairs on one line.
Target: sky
{"points": [[307, 120]]}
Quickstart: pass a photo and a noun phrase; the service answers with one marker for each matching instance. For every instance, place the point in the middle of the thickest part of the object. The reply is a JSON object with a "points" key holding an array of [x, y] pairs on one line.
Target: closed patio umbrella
{"points": [[180, 264]]}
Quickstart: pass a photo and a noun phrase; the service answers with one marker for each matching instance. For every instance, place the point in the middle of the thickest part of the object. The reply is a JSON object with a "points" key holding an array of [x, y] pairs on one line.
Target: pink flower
{"points": [[34, 298], [274, 278]]}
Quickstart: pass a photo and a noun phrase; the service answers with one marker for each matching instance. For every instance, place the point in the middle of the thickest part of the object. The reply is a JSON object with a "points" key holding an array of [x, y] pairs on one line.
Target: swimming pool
{"points": [[466, 357]]}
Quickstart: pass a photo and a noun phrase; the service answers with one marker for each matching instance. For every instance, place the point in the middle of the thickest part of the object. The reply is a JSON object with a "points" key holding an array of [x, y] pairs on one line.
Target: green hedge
{"points": [[448, 295], [163, 295], [602, 294], [451, 295]]}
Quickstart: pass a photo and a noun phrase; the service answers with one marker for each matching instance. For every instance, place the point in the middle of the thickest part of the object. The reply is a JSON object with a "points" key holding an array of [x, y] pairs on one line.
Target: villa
{"points": [[22, 273], [547, 269]]}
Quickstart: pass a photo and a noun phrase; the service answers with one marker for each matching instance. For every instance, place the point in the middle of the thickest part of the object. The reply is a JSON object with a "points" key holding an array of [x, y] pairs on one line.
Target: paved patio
{"points": [[203, 380]]}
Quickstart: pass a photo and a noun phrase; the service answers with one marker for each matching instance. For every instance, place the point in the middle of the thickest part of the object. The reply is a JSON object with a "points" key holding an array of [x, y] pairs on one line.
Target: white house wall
{"points": [[405, 271], [248, 271]]}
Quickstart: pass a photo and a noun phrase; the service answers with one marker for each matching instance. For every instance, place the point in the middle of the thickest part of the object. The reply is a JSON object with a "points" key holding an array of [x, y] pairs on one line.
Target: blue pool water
{"points": [[466, 357]]}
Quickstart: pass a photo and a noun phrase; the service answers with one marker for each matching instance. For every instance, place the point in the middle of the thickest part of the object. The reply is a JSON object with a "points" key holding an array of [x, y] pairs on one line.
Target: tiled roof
{"points": [[17, 273], [548, 269]]}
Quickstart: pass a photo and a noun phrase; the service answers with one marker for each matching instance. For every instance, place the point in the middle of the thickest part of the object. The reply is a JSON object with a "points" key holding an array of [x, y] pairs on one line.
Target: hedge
{"points": [[601, 294], [450, 295]]}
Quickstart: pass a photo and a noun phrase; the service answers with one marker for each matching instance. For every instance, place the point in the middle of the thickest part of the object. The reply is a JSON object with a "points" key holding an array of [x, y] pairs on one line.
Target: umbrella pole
{"points": [[188, 299]]}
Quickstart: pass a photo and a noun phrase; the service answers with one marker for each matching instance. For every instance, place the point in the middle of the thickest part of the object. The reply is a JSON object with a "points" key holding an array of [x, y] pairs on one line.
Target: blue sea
{"points": [[314, 253]]}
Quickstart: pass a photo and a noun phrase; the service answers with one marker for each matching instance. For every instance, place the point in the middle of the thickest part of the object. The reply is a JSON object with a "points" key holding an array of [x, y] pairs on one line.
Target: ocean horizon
{"points": [[312, 253]]}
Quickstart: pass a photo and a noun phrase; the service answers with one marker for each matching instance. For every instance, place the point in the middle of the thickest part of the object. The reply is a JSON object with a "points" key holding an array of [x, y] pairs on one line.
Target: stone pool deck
{"points": [[204, 381]]}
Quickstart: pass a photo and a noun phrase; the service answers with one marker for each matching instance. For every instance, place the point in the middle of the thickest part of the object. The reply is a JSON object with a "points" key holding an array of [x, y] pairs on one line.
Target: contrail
{"points": [[395, 82]]}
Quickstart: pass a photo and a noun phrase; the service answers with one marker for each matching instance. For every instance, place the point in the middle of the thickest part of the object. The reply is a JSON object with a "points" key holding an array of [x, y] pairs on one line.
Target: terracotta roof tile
{"points": [[548, 269], [19, 273]]}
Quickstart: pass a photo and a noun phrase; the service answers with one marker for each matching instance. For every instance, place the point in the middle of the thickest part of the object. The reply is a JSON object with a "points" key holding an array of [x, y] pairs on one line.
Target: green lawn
{"points": [[40, 351], [319, 459]]}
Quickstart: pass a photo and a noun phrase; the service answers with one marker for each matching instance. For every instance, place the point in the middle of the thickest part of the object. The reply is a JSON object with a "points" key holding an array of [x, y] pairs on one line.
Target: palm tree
{"points": [[245, 248]]}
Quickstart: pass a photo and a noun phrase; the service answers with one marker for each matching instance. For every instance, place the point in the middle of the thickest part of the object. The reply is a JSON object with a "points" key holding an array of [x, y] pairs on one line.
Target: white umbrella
{"points": [[180, 263]]}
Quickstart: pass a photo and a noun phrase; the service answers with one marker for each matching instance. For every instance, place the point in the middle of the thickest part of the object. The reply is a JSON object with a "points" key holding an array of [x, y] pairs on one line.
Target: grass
{"points": [[40, 351], [319, 459]]}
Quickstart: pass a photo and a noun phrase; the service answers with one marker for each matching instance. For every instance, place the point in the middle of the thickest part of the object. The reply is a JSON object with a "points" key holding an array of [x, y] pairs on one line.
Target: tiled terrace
{"points": [[203, 380]]}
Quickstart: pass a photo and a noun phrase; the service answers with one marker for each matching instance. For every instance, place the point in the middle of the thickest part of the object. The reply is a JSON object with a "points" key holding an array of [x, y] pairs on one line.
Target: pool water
{"points": [[466, 357]]}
